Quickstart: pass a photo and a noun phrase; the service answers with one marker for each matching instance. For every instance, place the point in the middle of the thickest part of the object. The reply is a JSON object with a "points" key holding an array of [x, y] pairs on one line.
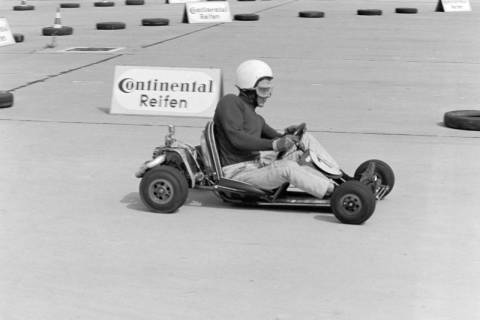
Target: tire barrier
{"points": [[462, 119], [369, 12], [69, 5], [23, 8], [111, 25], [57, 31], [311, 14], [246, 17], [6, 99], [134, 2], [155, 22], [63, 30], [406, 10], [104, 4], [18, 37]]}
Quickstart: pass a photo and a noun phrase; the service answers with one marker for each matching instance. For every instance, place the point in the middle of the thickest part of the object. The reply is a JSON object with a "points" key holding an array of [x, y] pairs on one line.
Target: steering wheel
{"points": [[301, 128]]}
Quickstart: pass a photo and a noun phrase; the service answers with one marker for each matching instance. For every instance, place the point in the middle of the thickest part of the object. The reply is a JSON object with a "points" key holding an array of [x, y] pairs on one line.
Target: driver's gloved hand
{"points": [[290, 130], [285, 143]]}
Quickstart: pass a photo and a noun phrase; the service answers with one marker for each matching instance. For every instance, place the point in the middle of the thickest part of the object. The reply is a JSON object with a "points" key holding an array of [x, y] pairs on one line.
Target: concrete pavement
{"points": [[77, 243]]}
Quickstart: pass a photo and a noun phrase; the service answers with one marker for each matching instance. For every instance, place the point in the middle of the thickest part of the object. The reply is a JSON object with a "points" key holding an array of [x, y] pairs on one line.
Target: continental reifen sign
{"points": [[165, 91]]}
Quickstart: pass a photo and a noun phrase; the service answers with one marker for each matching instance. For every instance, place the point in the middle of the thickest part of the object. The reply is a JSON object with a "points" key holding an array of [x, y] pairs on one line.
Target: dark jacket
{"points": [[240, 132]]}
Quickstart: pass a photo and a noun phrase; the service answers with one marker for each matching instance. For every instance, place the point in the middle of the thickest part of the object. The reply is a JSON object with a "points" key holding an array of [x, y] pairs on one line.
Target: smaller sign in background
{"points": [[207, 12], [453, 5]]}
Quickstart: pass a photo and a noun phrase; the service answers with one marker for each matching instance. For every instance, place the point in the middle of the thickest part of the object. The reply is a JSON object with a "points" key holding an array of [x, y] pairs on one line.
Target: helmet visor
{"points": [[264, 88]]}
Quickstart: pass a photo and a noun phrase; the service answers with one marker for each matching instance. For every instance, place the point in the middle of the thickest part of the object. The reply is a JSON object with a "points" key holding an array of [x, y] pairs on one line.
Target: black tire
{"points": [[155, 22], [369, 12], [104, 4], [69, 5], [111, 25], [353, 202], [462, 119], [6, 99], [164, 189], [23, 8], [382, 170], [134, 2], [18, 37], [406, 10], [311, 14], [62, 31], [246, 17]]}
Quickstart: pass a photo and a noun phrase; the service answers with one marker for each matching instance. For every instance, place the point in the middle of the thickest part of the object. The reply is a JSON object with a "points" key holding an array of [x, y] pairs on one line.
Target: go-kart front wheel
{"points": [[353, 202], [383, 172], [164, 189]]}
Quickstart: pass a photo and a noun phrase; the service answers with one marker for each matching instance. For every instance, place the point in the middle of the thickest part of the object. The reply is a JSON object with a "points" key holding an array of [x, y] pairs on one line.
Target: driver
{"points": [[248, 146]]}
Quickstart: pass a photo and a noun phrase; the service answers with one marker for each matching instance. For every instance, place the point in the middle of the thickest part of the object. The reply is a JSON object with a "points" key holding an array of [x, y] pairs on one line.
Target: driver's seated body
{"points": [[248, 147]]}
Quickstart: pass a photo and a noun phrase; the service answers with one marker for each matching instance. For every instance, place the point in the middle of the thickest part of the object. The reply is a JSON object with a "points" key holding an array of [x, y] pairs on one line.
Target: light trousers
{"points": [[269, 173]]}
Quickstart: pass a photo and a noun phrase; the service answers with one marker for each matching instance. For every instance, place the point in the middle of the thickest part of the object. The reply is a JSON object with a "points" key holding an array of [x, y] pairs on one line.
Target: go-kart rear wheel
{"points": [[164, 189], [353, 202], [383, 172]]}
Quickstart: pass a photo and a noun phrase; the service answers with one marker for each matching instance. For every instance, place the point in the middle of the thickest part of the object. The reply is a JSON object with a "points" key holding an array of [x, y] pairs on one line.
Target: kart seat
{"points": [[214, 167]]}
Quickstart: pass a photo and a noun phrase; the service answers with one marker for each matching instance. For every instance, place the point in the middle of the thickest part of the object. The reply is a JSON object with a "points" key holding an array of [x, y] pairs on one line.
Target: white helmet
{"points": [[250, 71]]}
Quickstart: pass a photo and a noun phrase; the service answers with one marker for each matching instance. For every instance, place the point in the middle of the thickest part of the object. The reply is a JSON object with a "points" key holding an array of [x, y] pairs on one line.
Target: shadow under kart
{"points": [[177, 166]]}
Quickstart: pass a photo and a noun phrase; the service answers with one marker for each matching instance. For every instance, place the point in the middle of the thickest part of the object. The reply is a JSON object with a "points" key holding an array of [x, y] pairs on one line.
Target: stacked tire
{"points": [[155, 22], [61, 31], [111, 25], [462, 119], [6, 99]]}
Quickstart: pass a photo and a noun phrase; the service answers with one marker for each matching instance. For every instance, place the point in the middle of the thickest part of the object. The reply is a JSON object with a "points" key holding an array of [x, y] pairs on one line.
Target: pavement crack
{"points": [[208, 27], [200, 127], [276, 6], [64, 72], [180, 36], [48, 77]]}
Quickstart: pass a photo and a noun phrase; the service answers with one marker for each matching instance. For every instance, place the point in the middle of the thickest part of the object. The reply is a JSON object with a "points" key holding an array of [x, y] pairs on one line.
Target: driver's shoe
{"points": [[368, 177]]}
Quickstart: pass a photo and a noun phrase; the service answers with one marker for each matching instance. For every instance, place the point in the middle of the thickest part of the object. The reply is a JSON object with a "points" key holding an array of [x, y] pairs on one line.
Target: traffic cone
{"points": [[57, 24], [57, 29]]}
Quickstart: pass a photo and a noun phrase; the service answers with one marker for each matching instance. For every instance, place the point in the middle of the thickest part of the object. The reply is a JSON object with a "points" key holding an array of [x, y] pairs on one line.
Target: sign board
{"points": [[207, 12], [188, 92], [453, 5], [6, 36]]}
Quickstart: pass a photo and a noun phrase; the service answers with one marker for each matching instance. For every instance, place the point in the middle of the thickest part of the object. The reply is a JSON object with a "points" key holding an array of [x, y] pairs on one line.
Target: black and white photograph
{"points": [[239, 159]]}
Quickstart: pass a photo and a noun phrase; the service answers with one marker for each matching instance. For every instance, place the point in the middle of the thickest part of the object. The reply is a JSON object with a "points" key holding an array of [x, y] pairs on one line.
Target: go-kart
{"points": [[176, 166]]}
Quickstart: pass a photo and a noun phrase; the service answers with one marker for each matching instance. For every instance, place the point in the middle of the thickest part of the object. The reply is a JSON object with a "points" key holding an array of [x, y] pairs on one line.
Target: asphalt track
{"points": [[76, 243]]}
